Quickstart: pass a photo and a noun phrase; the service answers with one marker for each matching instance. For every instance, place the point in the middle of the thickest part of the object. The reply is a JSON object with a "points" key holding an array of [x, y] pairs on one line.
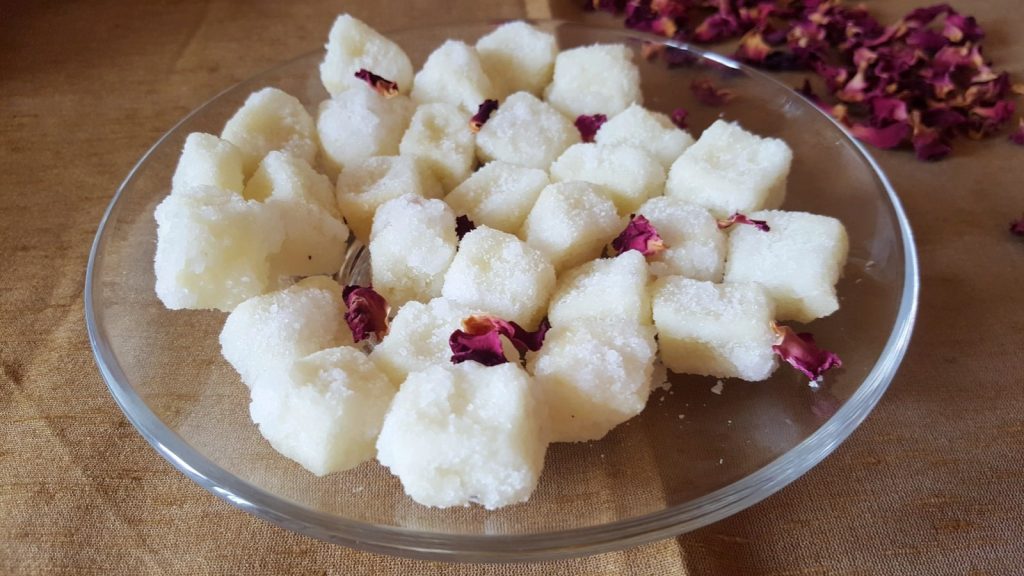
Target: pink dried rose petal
{"points": [[679, 116], [463, 226], [480, 339], [1017, 137], [382, 86], [589, 124], [483, 114], [639, 235], [1017, 226], [738, 218], [367, 312], [709, 94], [800, 351]]}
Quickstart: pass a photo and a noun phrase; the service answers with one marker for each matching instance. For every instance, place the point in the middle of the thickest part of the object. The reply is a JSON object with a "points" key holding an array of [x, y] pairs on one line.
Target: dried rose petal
{"points": [[800, 351], [738, 218], [639, 235], [891, 136], [1017, 226], [367, 312], [588, 125], [480, 339], [1017, 137], [463, 226], [709, 94], [678, 117], [483, 113], [382, 86]]}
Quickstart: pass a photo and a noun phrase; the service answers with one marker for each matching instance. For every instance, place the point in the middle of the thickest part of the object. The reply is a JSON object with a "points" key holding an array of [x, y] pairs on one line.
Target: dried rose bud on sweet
{"points": [[589, 124], [382, 86], [367, 312], [483, 113], [480, 339], [639, 235], [738, 218], [800, 351], [463, 226]]}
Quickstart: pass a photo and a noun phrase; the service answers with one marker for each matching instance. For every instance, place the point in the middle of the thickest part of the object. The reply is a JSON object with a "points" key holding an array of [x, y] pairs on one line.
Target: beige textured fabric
{"points": [[930, 484]]}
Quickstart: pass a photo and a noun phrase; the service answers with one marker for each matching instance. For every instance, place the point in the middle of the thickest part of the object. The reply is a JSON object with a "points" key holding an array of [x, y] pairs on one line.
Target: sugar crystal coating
{"points": [[694, 245], [527, 132], [600, 78], [653, 132], [627, 174], [518, 57], [271, 119], [612, 289], [351, 46], [359, 124], [439, 134], [206, 160], [571, 222], [499, 195], [453, 74]]}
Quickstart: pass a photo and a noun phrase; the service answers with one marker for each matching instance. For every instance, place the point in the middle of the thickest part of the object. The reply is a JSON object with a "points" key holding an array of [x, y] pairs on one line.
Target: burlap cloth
{"points": [[930, 484]]}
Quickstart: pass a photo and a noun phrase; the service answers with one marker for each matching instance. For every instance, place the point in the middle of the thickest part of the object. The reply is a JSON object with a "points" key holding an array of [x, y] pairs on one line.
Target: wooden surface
{"points": [[930, 484]]}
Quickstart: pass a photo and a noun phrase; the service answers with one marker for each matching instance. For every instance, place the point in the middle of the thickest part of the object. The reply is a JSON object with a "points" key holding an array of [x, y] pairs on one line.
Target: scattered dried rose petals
{"points": [[480, 339], [738, 218], [382, 86], [588, 125], [367, 312], [709, 94], [679, 116], [639, 235], [1017, 226], [463, 226], [800, 351], [483, 114], [1017, 137]]}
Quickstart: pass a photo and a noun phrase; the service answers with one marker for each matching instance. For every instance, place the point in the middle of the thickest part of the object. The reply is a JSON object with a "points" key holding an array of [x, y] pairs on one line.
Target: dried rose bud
{"points": [[678, 117], [800, 351], [1017, 227], [639, 235], [382, 86], [709, 94], [480, 339], [463, 226], [483, 113], [588, 125], [367, 312], [738, 218], [1017, 137]]}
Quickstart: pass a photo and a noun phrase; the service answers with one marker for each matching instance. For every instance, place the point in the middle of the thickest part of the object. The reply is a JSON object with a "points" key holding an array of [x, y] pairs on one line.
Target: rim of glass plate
{"points": [[617, 535]]}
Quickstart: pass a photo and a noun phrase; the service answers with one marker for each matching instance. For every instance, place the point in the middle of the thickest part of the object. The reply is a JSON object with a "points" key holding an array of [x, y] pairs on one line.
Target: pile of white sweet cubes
{"points": [[253, 225]]}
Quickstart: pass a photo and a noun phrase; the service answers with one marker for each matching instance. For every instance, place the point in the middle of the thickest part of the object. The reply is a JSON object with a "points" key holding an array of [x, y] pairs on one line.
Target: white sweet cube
{"points": [[206, 160], [798, 261], [496, 273], [418, 337], [453, 74], [358, 124], [326, 411], [731, 170], [628, 174], [499, 195], [213, 248], [517, 56], [265, 334], [594, 375], [282, 176], [465, 433], [650, 131], [721, 330], [362, 188], [527, 132], [694, 245], [412, 243], [596, 79], [571, 222], [351, 46], [271, 119], [439, 134], [612, 289]]}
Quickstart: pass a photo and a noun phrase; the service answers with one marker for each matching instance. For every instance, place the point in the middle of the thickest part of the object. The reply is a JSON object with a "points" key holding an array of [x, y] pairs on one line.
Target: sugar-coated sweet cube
{"points": [[593, 375], [571, 222], [271, 119], [613, 289], [453, 74], [206, 160], [694, 245], [265, 334], [798, 261], [627, 174], [465, 433], [418, 337], [650, 131], [213, 248], [439, 134], [282, 176], [499, 195], [325, 411], [497, 273], [596, 79], [412, 243], [527, 132], [358, 124], [362, 188], [731, 170], [517, 56], [351, 46], [721, 330]]}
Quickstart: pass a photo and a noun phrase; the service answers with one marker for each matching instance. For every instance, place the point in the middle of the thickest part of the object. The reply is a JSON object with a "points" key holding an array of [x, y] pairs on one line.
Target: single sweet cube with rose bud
{"points": [[694, 245], [454, 75], [604, 289], [626, 173], [207, 160], [527, 132], [499, 195], [571, 223], [439, 134], [412, 243], [271, 119], [353, 46], [730, 170], [593, 375], [359, 124], [720, 330], [798, 260], [595, 79], [653, 132], [465, 433], [418, 337], [361, 189], [518, 57], [498, 274]]}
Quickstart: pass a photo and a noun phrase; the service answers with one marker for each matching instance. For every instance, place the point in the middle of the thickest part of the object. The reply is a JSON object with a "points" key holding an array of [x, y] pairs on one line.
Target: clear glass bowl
{"points": [[693, 456]]}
